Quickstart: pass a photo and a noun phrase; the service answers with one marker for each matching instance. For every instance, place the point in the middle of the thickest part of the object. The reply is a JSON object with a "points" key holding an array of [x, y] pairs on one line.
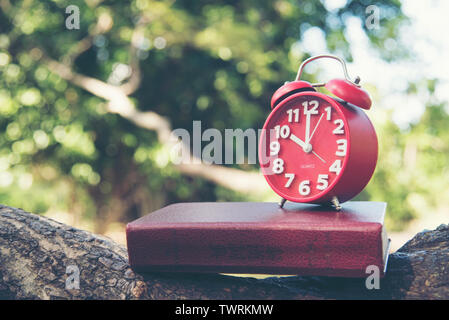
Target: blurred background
{"points": [[85, 109]]}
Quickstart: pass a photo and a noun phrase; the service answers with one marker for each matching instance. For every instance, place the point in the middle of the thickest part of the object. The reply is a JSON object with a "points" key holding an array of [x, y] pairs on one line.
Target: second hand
{"points": [[308, 138], [318, 156], [319, 120]]}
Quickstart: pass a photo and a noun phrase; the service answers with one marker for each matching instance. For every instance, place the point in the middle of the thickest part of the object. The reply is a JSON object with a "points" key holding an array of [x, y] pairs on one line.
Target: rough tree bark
{"points": [[35, 253]]}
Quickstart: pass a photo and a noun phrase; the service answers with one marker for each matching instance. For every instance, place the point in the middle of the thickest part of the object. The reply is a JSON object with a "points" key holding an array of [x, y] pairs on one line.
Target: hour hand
{"points": [[306, 147]]}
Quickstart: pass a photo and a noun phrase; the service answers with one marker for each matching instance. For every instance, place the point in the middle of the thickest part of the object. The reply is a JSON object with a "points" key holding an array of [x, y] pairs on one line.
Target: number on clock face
{"points": [[307, 145]]}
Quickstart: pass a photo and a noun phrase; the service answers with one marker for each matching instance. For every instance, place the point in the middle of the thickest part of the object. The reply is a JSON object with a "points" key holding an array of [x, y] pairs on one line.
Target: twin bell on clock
{"points": [[318, 148]]}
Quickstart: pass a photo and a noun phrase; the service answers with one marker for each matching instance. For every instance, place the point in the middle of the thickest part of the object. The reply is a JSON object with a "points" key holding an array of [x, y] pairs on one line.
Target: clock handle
{"points": [[345, 70]]}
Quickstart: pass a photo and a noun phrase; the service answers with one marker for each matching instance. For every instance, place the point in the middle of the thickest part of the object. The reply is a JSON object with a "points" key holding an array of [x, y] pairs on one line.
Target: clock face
{"points": [[306, 144]]}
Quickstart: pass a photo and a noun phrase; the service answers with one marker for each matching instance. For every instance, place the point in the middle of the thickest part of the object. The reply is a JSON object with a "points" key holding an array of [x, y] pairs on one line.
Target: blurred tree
{"points": [[413, 163], [86, 114]]}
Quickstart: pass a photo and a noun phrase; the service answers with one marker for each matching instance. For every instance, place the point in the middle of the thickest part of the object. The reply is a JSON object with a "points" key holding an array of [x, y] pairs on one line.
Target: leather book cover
{"points": [[260, 237]]}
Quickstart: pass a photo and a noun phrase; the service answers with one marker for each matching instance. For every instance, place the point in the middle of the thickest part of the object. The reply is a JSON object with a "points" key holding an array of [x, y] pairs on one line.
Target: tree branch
{"points": [[120, 103], [104, 24], [137, 37], [36, 251]]}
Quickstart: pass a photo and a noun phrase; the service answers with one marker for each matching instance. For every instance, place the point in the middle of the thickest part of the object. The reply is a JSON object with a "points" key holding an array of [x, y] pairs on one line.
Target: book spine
{"points": [[337, 252]]}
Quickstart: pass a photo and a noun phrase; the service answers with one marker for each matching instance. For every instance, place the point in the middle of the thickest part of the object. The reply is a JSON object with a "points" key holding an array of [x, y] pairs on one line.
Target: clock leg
{"points": [[336, 203], [282, 202]]}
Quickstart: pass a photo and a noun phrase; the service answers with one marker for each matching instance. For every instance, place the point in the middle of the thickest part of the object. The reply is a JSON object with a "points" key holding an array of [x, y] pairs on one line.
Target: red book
{"points": [[260, 237]]}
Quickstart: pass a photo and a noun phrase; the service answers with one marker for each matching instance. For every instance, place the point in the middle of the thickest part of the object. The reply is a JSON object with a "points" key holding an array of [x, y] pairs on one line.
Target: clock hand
{"points": [[307, 135], [316, 127], [318, 156], [306, 147]]}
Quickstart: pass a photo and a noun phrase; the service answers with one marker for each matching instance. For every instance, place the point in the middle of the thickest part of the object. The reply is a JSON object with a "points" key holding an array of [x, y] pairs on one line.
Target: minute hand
{"points": [[307, 135]]}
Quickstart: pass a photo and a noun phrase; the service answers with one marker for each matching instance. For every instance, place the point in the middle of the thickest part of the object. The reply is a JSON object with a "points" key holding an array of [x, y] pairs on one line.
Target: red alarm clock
{"points": [[316, 148]]}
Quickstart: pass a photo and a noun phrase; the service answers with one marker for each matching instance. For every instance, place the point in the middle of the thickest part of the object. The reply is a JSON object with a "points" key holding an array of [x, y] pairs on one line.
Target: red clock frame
{"points": [[360, 159]]}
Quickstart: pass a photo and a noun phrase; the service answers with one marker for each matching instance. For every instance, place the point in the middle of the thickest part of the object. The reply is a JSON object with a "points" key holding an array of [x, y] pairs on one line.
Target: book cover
{"points": [[260, 237]]}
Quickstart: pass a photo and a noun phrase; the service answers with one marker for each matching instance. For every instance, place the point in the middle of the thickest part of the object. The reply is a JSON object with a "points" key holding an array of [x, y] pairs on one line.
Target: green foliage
{"points": [[412, 167], [218, 62]]}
